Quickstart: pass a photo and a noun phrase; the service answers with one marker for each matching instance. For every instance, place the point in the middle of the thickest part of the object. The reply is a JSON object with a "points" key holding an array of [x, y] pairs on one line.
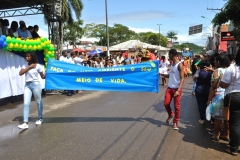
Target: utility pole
{"points": [[218, 30], [159, 35], [107, 34]]}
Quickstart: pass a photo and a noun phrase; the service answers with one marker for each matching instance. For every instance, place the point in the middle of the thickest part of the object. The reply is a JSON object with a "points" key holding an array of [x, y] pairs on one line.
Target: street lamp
{"points": [[206, 18], [107, 28], [159, 34]]}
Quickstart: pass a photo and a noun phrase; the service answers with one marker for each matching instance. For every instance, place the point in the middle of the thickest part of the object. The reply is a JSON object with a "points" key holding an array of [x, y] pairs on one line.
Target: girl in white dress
{"points": [[164, 65]]}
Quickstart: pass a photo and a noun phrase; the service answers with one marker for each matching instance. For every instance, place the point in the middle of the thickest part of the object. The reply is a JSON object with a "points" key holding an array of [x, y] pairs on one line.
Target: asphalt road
{"points": [[108, 126]]}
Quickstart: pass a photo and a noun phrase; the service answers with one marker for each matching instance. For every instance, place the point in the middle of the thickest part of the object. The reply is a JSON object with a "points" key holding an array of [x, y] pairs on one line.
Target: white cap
{"points": [[210, 52]]}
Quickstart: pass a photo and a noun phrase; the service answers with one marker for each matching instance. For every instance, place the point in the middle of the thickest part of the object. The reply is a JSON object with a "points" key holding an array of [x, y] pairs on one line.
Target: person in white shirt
{"points": [[231, 81], [75, 59], [32, 86], [114, 60], [64, 57], [78, 60], [164, 69], [174, 90]]}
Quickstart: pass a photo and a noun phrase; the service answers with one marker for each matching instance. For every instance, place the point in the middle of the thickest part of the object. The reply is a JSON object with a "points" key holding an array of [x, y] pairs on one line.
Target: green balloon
{"points": [[14, 40], [8, 40]]}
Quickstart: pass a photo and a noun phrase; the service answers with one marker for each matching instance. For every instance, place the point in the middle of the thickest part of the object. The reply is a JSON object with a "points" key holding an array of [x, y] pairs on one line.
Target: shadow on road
{"points": [[79, 119]]}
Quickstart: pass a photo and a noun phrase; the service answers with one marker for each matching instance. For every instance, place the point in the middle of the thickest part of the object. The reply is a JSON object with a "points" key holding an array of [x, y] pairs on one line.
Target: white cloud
{"points": [[43, 33], [199, 39], [135, 16], [138, 30], [89, 39]]}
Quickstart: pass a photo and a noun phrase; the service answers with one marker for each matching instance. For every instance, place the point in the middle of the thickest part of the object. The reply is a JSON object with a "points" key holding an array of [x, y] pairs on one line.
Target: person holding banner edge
{"points": [[174, 90], [32, 86]]}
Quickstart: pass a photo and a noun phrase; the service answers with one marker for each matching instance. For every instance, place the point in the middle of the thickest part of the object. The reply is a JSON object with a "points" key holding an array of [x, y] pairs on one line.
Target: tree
{"points": [[97, 31], [229, 13], [172, 35], [68, 7], [72, 32], [119, 33], [191, 46], [153, 38]]}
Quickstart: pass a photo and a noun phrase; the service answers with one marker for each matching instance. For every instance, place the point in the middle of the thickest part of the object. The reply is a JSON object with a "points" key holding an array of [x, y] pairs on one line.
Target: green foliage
{"points": [[70, 6], [230, 12], [172, 35], [153, 38], [191, 46], [72, 32], [119, 33]]}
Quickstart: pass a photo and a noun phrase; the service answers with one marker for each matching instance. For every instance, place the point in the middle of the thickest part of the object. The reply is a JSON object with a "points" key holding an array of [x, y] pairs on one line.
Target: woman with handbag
{"points": [[231, 81], [216, 94]]}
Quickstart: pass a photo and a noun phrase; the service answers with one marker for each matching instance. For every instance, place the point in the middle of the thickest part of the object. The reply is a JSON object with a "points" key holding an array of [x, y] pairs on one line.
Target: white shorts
{"points": [[163, 70]]}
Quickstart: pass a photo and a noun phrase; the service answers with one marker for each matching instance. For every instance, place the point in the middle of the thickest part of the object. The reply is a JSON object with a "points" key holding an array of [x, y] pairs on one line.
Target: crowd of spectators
{"points": [[99, 60], [18, 29], [216, 78]]}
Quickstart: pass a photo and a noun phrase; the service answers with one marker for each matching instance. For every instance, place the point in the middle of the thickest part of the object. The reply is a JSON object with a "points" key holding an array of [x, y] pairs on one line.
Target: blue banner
{"points": [[142, 77]]}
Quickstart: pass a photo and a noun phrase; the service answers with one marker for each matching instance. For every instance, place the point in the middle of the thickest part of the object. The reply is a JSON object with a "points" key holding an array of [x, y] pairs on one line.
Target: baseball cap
{"points": [[210, 52]]}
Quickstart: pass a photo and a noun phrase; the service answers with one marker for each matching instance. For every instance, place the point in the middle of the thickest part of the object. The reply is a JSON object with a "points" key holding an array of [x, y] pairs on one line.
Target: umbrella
{"points": [[78, 49], [95, 51]]}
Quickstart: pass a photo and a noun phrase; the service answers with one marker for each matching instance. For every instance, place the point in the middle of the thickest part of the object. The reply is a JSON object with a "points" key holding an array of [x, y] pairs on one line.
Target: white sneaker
{"points": [[38, 122], [23, 126]]}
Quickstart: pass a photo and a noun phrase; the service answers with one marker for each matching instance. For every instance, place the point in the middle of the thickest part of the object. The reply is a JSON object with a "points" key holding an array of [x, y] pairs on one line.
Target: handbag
{"points": [[208, 112], [225, 110]]}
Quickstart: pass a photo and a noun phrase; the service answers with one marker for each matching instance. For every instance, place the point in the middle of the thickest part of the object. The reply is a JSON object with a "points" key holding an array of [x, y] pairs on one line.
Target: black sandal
{"points": [[215, 139], [227, 150], [224, 138]]}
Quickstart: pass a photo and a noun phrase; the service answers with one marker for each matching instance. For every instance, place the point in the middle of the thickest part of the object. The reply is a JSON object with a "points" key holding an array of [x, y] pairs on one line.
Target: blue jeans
{"points": [[35, 89], [194, 86]]}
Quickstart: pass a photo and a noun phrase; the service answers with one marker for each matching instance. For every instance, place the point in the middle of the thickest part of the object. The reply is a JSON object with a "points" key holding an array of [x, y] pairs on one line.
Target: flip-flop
{"points": [[224, 138], [215, 139], [227, 150]]}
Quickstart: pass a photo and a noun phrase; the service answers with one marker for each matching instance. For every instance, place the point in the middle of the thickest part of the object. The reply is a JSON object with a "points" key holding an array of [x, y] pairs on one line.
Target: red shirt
{"points": [[152, 56]]}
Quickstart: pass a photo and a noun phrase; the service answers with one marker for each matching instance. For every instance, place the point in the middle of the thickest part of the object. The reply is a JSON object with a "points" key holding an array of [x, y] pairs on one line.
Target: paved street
{"points": [[108, 125]]}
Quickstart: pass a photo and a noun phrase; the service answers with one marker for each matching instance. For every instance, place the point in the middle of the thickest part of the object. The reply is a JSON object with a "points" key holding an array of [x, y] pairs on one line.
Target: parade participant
{"points": [[32, 86], [126, 60], [146, 55], [64, 58], [164, 69], [174, 90], [186, 66]]}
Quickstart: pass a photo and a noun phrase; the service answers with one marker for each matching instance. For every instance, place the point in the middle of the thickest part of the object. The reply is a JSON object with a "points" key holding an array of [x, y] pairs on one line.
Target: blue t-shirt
{"points": [[203, 83]]}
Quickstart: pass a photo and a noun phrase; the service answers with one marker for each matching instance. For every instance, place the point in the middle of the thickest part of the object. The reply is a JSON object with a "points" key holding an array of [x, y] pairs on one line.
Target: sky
{"points": [[144, 15]]}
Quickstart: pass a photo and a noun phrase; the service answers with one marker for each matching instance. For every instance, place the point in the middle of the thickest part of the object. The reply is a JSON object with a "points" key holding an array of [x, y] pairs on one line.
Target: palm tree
{"points": [[68, 7], [172, 35]]}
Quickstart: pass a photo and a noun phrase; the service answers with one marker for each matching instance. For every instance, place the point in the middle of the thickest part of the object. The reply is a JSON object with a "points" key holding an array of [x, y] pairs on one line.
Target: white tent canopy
{"points": [[138, 44]]}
